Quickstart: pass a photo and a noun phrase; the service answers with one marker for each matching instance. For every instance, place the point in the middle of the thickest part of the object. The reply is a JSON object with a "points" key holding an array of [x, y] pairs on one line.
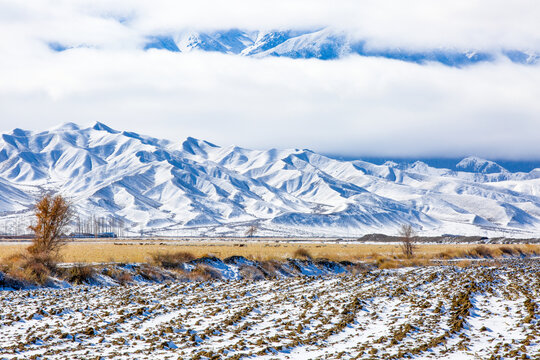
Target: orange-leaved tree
{"points": [[53, 215]]}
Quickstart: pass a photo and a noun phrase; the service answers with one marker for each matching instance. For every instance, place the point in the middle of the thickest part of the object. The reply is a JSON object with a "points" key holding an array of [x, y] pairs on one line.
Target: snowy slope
{"points": [[192, 187]]}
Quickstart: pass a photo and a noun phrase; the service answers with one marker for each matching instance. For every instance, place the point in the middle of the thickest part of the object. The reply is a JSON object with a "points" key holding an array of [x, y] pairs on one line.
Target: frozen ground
{"points": [[438, 312]]}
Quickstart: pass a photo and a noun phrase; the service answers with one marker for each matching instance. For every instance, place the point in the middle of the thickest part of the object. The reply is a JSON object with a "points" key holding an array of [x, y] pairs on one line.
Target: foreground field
{"points": [[139, 251], [445, 312]]}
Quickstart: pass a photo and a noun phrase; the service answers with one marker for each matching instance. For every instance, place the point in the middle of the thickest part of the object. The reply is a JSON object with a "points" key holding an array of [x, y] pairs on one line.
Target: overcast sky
{"points": [[351, 106]]}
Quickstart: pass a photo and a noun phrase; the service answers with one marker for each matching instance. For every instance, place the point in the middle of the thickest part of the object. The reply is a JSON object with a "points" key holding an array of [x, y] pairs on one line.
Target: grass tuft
{"points": [[302, 253], [78, 274], [172, 260], [32, 268]]}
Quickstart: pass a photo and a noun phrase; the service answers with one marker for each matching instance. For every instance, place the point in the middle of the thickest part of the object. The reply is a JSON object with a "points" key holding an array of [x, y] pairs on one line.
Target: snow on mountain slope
{"points": [[324, 43], [195, 187], [475, 164]]}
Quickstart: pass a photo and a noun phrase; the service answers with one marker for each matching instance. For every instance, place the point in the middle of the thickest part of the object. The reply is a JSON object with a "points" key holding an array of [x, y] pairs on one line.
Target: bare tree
{"points": [[53, 214], [407, 235], [251, 230]]}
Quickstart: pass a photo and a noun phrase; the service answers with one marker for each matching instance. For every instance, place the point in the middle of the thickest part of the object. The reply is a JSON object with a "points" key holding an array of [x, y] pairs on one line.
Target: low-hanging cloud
{"points": [[355, 105], [414, 24]]}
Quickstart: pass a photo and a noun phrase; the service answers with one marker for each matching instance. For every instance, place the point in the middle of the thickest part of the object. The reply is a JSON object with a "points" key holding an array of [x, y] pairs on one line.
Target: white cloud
{"points": [[355, 105], [479, 24]]}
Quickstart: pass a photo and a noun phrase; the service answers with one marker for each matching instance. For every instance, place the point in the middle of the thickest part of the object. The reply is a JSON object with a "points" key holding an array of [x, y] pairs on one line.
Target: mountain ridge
{"points": [[196, 187], [325, 43]]}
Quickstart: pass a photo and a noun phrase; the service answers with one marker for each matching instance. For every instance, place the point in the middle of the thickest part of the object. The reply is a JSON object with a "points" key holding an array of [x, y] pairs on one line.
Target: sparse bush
{"points": [[393, 263], [302, 253], [32, 268], [445, 255], [485, 252], [172, 260], [118, 275], [417, 262], [509, 251], [481, 251], [385, 263], [79, 273], [124, 278], [203, 272], [464, 263], [251, 230], [407, 235], [151, 273], [251, 273], [270, 268]]}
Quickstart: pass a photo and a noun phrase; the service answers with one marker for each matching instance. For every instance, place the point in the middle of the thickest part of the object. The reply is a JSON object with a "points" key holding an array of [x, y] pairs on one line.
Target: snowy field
{"points": [[438, 312]]}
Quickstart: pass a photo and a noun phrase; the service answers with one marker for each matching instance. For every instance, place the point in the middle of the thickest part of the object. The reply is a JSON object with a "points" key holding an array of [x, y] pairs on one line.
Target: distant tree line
{"points": [[99, 225], [78, 226]]}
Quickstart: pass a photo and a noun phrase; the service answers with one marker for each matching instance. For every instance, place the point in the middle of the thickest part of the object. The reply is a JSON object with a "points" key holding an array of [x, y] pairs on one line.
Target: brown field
{"points": [[131, 251]]}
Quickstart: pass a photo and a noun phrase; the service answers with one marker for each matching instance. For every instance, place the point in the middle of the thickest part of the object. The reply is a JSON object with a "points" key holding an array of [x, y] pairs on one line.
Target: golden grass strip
{"points": [[89, 252]]}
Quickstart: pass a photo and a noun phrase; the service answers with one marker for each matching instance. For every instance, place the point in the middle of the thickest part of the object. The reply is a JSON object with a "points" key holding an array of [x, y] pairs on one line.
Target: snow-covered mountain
{"points": [[475, 164], [192, 187], [325, 43]]}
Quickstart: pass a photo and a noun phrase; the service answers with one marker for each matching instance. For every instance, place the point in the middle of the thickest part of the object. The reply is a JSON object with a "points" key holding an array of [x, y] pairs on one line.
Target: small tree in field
{"points": [[251, 231], [407, 235], [53, 214]]}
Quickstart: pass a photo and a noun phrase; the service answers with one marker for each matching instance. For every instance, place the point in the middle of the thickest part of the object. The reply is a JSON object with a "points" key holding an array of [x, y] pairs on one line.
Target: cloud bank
{"points": [[356, 105], [479, 24]]}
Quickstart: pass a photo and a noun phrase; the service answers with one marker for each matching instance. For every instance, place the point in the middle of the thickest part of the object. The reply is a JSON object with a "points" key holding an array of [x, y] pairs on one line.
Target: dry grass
{"points": [[302, 253], [172, 259], [32, 268], [77, 274], [489, 251], [88, 252]]}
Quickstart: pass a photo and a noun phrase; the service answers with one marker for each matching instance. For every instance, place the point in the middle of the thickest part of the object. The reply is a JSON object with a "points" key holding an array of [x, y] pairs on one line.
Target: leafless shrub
{"points": [[251, 230], [407, 235]]}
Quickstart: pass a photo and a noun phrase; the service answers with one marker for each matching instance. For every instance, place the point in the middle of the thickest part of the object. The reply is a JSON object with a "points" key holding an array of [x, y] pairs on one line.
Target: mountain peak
{"points": [[195, 146], [67, 126], [102, 127], [476, 164], [20, 132]]}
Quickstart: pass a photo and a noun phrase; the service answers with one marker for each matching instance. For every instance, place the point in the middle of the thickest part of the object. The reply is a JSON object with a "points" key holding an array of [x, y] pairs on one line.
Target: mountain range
{"points": [[324, 43], [194, 187]]}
